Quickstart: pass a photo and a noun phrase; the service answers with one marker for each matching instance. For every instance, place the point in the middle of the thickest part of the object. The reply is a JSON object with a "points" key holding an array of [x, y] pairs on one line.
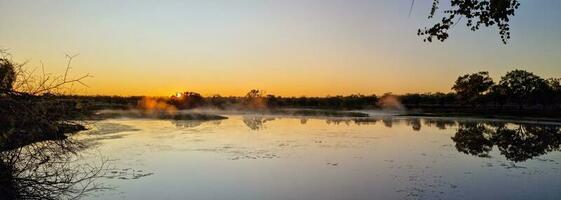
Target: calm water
{"points": [[271, 157]]}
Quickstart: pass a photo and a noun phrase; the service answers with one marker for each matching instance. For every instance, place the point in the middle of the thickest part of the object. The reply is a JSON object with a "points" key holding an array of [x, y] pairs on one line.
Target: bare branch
{"points": [[411, 8], [69, 57]]}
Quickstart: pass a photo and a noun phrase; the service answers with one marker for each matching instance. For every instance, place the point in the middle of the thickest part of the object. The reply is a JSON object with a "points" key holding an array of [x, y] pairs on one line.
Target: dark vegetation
{"points": [[47, 171], [518, 93], [30, 111], [477, 13], [258, 100], [36, 157]]}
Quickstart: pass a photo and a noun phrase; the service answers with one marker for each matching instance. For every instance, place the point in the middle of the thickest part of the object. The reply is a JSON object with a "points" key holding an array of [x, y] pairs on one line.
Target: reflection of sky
{"points": [[159, 48], [321, 159]]}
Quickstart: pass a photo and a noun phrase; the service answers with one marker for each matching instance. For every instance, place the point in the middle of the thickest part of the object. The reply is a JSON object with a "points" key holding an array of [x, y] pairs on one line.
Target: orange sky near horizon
{"points": [[287, 48]]}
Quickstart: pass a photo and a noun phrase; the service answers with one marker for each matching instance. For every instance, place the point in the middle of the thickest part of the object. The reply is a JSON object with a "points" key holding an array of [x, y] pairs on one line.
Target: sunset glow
{"points": [[290, 48]]}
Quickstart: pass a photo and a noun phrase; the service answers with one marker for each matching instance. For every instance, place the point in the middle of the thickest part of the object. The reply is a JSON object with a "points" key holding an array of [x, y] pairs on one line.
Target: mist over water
{"points": [[391, 103]]}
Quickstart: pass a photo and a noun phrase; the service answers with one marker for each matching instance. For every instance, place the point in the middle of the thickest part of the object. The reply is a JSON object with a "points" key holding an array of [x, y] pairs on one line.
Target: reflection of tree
{"points": [[46, 170], [441, 124], [338, 121], [194, 123], [388, 122], [471, 138], [187, 123], [415, 123], [256, 123], [365, 121], [518, 143], [357, 121], [527, 141]]}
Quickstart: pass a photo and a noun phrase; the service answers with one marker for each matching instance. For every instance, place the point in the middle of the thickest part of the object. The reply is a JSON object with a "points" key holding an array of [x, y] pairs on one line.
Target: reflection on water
{"points": [[256, 122], [187, 123], [329, 158], [415, 123], [47, 170], [517, 142], [388, 121], [440, 123]]}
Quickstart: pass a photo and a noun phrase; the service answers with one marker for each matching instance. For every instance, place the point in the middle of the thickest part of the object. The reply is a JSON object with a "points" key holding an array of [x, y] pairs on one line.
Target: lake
{"points": [[276, 157]]}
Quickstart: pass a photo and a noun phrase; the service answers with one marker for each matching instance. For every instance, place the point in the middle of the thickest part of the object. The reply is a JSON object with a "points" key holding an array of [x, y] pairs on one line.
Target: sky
{"points": [[284, 47]]}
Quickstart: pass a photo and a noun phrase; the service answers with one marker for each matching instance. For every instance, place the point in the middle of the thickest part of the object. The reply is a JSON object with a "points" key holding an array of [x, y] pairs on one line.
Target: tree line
{"points": [[517, 89]]}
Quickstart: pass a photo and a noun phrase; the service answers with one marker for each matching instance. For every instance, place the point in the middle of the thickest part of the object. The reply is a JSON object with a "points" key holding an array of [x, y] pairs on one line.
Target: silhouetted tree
{"points": [[254, 94], [555, 88], [471, 87], [523, 87], [440, 99], [187, 100], [272, 101], [7, 75], [254, 99], [217, 101], [411, 99], [554, 83], [477, 13], [498, 94]]}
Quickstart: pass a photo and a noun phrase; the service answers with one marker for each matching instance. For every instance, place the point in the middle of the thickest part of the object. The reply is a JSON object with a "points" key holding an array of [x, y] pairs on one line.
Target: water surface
{"points": [[272, 157]]}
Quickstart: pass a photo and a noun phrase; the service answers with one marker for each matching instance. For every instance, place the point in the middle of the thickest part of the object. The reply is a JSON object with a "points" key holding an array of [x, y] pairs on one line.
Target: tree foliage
{"points": [[254, 99], [470, 87], [7, 75], [478, 13], [523, 87], [187, 100]]}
